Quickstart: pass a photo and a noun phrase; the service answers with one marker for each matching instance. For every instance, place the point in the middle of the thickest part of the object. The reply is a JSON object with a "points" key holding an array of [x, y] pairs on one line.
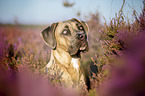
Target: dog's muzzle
{"points": [[84, 44]]}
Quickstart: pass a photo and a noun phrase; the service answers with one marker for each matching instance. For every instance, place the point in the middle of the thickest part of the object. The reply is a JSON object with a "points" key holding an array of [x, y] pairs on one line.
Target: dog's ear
{"points": [[48, 35], [85, 26]]}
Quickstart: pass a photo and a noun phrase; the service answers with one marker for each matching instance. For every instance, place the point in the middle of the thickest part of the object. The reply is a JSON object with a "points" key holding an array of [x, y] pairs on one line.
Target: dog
{"points": [[68, 39]]}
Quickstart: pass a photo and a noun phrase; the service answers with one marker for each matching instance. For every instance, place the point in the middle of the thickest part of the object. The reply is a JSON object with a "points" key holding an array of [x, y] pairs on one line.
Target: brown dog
{"points": [[67, 39]]}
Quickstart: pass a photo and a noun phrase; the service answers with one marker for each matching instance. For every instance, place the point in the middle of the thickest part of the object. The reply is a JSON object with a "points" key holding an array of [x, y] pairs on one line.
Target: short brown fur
{"points": [[69, 40]]}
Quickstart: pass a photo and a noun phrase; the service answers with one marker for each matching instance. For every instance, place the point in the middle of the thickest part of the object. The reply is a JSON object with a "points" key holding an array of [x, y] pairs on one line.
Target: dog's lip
{"points": [[83, 48]]}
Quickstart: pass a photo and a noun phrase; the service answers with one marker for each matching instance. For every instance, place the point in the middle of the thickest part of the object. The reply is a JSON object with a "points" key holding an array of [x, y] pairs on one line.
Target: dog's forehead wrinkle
{"points": [[72, 25]]}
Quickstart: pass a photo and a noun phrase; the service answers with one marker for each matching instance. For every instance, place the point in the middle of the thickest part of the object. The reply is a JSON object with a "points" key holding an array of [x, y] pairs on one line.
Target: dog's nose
{"points": [[81, 36]]}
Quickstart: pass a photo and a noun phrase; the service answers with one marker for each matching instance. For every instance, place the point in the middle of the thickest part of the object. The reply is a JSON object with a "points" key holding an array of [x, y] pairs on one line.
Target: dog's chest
{"points": [[76, 63]]}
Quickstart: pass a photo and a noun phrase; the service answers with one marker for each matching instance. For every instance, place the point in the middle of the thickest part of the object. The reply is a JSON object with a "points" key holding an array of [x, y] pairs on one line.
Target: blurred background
{"points": [[23, 20], [49, 11], [114, 26]]}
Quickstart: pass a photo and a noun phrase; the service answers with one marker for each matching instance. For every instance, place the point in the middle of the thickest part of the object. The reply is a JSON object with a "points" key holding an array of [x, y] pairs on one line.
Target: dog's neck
{"points": [[63, 58]]}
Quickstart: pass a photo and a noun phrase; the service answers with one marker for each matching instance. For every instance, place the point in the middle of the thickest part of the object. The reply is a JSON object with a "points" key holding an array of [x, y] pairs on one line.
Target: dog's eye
{"points": [[65, 32], [80, 27]]}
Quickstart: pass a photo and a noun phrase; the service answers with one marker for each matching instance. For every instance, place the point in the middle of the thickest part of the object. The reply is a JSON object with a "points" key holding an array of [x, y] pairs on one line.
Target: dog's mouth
{"points": [[83, 48]]}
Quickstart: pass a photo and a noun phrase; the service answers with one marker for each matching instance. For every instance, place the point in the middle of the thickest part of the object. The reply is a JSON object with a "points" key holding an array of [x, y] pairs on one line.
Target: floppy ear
{"points": [[48, 35], [85, 26]]}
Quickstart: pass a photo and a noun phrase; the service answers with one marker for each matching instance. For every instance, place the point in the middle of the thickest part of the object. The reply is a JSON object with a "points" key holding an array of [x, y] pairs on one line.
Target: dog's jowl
{"points": [[67, 40]]}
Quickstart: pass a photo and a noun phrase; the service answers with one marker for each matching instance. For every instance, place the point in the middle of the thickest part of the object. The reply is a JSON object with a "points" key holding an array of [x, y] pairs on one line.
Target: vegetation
{"points": [[117, 49]]}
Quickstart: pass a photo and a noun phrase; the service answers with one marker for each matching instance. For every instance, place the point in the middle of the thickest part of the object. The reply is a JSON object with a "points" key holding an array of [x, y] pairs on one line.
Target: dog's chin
{"points": [[76, 55]]}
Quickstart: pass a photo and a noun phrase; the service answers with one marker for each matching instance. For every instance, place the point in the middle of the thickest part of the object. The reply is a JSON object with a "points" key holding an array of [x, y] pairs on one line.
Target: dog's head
{"points": [[70, 35]]}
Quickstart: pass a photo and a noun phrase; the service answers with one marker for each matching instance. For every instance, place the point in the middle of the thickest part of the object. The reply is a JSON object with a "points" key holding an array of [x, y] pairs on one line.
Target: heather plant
{"points": [[23, 62], [117, 49], [22, 66], [121, 68]]}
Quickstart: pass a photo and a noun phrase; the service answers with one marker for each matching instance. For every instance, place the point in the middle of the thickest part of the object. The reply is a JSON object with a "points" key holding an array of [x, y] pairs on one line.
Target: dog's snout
{"points": [[81, 36]]}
